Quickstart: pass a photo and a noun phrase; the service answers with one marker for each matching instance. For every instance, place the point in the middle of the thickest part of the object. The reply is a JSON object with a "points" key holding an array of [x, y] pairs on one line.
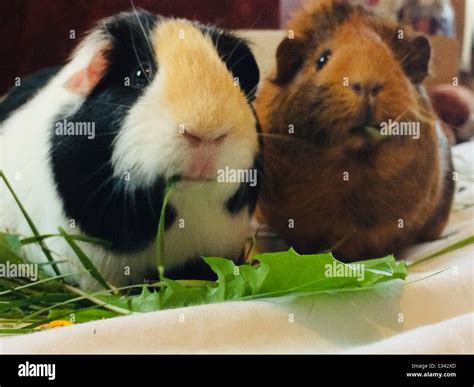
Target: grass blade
{"points": [[36, 283], [457, 245], [100, 303], [160, 237], [82, 238], [86, 262], [35, 231], [15, 331], [85, 296]]}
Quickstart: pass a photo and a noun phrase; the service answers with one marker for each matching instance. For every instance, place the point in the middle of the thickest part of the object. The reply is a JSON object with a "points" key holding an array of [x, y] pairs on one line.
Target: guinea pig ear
{"points": [[415, 57], [86, 79], [289, 59]]}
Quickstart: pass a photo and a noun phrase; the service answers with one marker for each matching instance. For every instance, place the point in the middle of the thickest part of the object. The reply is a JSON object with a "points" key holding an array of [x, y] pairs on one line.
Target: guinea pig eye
{"points": [[323, 59], [142, 75]]}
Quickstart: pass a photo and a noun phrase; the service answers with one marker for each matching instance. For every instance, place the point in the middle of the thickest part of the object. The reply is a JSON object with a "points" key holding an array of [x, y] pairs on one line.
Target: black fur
{"points": [[246, 196], [102, 205], [238, 57], [194, 268], [28, 88]]}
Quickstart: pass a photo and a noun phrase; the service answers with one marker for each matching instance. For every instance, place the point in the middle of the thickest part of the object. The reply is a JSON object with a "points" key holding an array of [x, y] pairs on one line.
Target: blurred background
{"points": [[37, 33], [42, 33]]}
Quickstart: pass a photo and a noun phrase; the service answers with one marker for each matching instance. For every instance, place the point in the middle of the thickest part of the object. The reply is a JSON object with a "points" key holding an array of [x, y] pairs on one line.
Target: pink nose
{"points": [[198, 139]]}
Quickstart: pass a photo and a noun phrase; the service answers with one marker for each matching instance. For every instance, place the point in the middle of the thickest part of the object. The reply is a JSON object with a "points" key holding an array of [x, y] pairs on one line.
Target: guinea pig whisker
{"points": [[252, 91], [113, 104], [342, 240], [234, 49], [410, 55], [278, 160], [239, 42], [254, 23], [116, 188], [216, 45], [150, 203], [114, 132], [402, 114], [238, 61], [422, 114], [278, 136], [133, 200], [100, 169], [142, 28], [104, 184], [124, 207], [289, 139], [267, 169]]}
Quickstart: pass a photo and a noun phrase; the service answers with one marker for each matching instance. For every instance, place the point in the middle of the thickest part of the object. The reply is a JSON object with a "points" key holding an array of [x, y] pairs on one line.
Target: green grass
{"points": [[25, 306]]}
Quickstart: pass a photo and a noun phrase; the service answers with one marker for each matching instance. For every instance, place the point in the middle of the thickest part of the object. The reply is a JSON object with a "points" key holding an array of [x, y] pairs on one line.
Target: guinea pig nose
{"points": [[357, 87], [369, 88], [376, 88], [195, 139], [220, 139], [192, 138]]}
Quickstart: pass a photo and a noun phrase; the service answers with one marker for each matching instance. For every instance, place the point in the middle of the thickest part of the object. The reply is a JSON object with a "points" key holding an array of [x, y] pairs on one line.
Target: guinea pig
{"points": [[355, 162], [91, 146]]}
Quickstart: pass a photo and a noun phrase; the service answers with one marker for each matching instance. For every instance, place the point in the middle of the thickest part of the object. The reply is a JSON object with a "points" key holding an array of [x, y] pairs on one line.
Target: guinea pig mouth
{"points": [[369, 130], [190, 179]]}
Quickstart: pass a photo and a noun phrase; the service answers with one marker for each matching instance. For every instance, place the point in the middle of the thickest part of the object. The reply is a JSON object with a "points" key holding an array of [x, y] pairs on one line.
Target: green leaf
{"points": [[176, 295], [9, 250], [254, 276], [382, 269], [146, 302], [12, 240], [231, 284], [289, 271]]}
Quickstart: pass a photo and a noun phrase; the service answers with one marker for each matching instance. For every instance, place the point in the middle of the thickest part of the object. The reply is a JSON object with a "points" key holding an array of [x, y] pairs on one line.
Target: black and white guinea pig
{"points": [[91, 146]]}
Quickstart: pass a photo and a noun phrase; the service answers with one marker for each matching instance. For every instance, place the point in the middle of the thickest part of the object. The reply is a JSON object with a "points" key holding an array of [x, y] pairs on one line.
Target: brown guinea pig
{"points": [[356, 162]]}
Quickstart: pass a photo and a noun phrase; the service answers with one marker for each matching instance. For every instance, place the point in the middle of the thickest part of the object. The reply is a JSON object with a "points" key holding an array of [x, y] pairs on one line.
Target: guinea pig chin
{"points": [[200, 167]]}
